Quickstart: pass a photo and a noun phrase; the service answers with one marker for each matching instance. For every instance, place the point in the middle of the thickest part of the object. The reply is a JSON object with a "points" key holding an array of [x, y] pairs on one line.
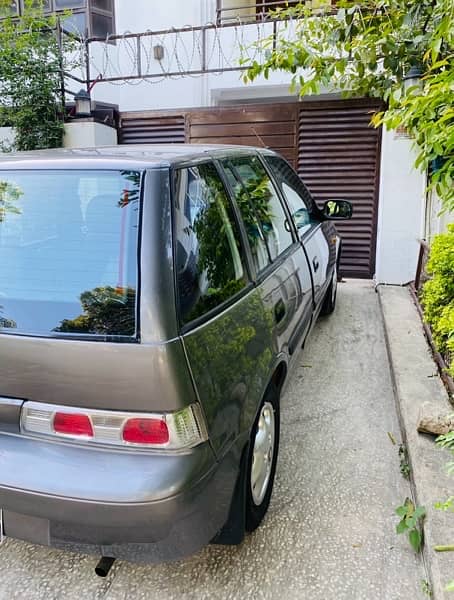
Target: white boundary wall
{"points": [[85, 133], [401, 211], [436, 221]]}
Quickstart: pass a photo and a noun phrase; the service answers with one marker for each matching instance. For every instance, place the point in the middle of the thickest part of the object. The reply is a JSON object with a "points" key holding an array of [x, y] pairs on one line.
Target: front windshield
{"points": [[68, 252]]}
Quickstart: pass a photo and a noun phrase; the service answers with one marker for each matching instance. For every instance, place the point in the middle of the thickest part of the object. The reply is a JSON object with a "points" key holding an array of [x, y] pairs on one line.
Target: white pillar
{"points": [[400, 211], [86, 133]]}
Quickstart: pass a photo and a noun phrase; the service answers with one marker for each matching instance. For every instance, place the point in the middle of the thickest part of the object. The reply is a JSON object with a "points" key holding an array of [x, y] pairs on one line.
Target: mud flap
{"points": [[234, 530]]}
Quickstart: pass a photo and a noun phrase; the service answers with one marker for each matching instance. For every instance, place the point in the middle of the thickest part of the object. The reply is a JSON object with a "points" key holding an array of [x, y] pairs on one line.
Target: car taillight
{"points": [[146, 431], [177, 430], [72, 424]]}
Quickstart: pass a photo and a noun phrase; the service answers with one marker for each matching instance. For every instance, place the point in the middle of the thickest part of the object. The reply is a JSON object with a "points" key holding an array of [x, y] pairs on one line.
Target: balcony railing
{"points": [[244, 11], [232, 43]]}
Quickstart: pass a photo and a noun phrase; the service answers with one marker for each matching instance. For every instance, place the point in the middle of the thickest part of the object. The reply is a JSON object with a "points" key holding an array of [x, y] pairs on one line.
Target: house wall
{"points": [[181, 51], [437, 221], [401, 211], [401, 202], [401, 198], [84, 133]]}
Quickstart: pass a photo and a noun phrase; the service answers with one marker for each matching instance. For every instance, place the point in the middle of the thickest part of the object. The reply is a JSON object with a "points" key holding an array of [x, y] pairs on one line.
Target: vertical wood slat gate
{"points": [[330, 143], [339, 157], [152, 127]]}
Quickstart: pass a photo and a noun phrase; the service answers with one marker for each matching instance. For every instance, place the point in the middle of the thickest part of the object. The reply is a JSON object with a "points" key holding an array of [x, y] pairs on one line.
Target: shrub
{"points": [[32, 62], [438, 294]]}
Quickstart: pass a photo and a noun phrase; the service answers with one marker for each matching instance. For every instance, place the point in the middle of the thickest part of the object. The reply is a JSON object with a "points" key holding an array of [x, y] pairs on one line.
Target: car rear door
{"points": [[279, 262], [315, 234]]}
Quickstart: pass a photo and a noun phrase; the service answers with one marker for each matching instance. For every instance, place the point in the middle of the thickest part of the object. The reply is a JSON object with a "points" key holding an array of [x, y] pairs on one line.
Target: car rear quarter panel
{"points": [[137, 377], [231, 359]]}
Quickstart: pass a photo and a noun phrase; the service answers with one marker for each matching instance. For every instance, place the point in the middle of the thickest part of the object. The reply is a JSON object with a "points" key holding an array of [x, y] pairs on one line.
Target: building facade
{"points": [[173, 71]]}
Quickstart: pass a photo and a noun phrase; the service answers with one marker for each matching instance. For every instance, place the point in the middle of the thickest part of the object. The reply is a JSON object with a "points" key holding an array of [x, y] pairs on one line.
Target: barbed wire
{"points": [[132, 58]]}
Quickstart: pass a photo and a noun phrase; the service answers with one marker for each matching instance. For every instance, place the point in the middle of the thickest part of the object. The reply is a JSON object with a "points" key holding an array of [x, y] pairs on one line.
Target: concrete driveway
{"points": [[330, 531]]}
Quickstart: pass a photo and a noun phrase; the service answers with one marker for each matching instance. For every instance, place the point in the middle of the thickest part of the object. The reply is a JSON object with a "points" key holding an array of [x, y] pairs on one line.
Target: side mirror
{"points": [[337, 210]]}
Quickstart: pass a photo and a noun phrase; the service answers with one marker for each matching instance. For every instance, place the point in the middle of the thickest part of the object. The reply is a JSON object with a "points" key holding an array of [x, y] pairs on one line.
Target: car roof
{"points": [[112, 157]]}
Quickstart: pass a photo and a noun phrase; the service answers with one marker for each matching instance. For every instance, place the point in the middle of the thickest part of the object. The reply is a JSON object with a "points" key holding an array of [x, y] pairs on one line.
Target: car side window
{"points": [[209, 257], [254, 233], [259, 202], [299, 200]]}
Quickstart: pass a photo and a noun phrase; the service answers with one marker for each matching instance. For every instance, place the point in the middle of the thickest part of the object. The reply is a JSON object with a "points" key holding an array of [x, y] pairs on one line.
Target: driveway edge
{"points": [[416, 382]]}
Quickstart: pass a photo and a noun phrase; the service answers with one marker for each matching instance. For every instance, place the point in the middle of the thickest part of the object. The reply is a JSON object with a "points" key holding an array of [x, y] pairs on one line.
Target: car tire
{"points": [[329, 303], [261, 470]]}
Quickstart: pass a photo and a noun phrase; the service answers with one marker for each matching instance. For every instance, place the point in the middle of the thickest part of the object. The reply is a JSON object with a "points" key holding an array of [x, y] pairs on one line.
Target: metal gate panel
{"points": [[338, 157], [152, 128], [330, 142]]}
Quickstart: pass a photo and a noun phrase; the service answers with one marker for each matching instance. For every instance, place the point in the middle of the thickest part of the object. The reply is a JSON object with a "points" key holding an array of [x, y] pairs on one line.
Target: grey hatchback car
{"points": [[152, 302]]}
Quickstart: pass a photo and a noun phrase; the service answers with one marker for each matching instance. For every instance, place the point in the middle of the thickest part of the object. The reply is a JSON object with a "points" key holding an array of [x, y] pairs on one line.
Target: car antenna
{"points": [[259, 138]]}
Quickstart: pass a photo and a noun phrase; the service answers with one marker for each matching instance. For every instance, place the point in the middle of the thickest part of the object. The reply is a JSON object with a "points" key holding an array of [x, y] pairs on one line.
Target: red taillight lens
{"points": [[72, 424], [170, 431], [145, 431]]}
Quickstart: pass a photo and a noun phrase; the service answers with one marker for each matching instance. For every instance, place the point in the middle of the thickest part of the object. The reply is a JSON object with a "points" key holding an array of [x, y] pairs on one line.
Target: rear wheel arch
{"points": [[239, 519], [278, 377], [275, 384], [256, 504]]}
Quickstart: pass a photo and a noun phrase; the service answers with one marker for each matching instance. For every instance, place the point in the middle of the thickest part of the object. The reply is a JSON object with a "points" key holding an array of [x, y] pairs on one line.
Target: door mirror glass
{"points": [[337, 210], [301, 218]]}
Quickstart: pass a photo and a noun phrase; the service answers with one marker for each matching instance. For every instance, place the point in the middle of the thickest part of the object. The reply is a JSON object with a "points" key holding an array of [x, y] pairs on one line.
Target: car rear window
{"points": [[68, 252]]}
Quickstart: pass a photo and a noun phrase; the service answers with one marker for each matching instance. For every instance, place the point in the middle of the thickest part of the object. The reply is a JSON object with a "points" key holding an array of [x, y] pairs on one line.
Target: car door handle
{"points": [[315, 263], [279, 310]]}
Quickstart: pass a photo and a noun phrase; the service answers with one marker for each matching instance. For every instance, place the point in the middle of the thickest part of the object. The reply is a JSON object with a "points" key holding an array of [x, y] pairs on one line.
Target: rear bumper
{"points": [[134, 506]]}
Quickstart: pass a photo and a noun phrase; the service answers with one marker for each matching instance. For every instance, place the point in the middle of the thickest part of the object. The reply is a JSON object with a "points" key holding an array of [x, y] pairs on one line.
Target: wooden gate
{"points": [[330, 143], [272, 126], [339, 157]]}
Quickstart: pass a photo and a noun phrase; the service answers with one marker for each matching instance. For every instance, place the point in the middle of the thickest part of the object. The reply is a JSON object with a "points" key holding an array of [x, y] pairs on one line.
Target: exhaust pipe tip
{"points": [[103, 567]]}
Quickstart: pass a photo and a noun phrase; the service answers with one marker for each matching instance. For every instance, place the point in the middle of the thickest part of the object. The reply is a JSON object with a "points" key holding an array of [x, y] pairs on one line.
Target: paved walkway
{"points": [[330, 532], [421, 391]]}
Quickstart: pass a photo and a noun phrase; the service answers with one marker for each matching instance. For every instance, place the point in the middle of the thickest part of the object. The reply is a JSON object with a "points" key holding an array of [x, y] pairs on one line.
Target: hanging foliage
{"points": [[365, 48]]}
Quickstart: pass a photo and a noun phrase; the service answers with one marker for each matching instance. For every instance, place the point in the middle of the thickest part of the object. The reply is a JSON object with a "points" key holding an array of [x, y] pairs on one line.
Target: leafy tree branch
{"points": [[32, 60], [366, 48]]}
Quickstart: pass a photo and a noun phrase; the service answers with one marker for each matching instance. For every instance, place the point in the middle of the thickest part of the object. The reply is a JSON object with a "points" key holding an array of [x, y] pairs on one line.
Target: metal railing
{"points": [[189, 51], [261, 10], [176, 52]]}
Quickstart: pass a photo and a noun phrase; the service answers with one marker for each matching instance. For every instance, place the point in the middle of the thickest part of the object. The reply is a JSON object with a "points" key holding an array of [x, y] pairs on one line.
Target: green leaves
{"points": [[415, 539], [30, 77], [410, 516], [438, 304], [366, 49], [401, 527], [448, 505]]}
